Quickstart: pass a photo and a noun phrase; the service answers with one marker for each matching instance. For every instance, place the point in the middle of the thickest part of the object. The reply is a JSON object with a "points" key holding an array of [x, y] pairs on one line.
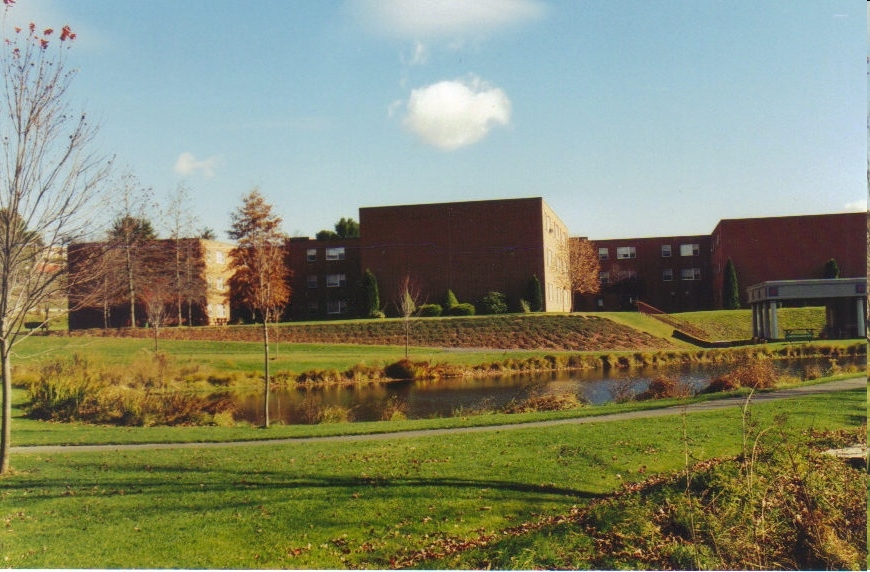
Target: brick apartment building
{"points": [[476, 247], [679, 274], [788, 248], [99, 295], [471, 248], [671, 273], [326, 278]]}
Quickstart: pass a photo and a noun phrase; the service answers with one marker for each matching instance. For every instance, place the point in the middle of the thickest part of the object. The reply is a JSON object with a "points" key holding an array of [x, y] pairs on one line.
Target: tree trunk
{"points": [[6, 436], [131, 286], [266, 372]]}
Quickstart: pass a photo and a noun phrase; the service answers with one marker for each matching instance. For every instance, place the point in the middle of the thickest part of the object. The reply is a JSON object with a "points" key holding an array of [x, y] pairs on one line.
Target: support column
{"points": [[755, 321], [765, 320], [859, 319], [774, 322]]}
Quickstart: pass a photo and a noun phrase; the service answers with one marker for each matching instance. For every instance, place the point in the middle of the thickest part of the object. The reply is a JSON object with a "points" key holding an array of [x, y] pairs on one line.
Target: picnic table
{"points": [[799, 334]]}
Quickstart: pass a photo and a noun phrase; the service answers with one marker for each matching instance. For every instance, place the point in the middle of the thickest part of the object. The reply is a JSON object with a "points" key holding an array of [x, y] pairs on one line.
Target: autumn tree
{"points": [[260, 279], [583, 267], [49, 184]]}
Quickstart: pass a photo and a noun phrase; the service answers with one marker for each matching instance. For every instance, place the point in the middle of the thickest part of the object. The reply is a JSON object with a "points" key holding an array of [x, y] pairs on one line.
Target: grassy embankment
{"points": [[462, 342]]}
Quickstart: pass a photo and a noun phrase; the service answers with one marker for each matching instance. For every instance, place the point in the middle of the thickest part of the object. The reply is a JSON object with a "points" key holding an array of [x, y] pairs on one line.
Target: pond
{"points": [[450, 397]]}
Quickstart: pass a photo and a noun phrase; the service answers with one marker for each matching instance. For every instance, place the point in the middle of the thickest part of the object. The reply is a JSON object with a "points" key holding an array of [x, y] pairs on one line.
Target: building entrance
{"points": [[845, 301]]}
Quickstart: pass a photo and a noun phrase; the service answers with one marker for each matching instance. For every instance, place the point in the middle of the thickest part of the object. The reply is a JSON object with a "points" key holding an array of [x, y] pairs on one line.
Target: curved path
{"points": [[801, 391]]}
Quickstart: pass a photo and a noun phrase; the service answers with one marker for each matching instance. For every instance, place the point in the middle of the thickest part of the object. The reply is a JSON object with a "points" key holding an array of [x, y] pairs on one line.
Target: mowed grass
{"points": [[245, 357], [737, 324], [353, 504]]}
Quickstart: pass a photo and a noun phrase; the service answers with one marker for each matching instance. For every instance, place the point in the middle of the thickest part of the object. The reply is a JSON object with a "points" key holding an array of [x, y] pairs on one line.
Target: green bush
{"points": [[493, 303], [462, 310], [450, 300], [430, 310]]}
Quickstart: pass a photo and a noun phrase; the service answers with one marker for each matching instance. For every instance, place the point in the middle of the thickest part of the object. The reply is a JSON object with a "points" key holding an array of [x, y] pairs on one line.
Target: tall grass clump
{"points": [[804, 511], [78, 390], [758, 373]]}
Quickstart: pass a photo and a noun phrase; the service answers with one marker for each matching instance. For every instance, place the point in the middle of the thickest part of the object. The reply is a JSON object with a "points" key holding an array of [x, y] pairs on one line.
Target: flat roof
{"points": [[816, 288]]}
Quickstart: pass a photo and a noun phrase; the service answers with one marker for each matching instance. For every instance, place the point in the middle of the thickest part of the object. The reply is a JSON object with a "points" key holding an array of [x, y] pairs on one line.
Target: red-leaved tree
{"points": [[260, 280]]}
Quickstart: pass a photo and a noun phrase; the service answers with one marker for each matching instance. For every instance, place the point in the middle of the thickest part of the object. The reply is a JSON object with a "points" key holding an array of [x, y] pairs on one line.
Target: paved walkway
{"points": [[801, 391]]}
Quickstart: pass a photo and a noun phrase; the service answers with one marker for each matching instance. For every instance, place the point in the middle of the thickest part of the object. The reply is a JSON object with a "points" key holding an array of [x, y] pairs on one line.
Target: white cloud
{"points": [[453, 114], [187, 164], [428, 19], [858, 206]]}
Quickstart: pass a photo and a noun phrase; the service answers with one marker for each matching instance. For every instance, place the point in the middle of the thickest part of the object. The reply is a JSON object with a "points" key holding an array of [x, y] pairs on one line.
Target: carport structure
{"points": [[845, 301]]}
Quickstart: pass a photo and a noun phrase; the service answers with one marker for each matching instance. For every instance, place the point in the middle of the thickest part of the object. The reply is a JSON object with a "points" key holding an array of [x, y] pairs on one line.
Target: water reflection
{"points": [[445, 398]]}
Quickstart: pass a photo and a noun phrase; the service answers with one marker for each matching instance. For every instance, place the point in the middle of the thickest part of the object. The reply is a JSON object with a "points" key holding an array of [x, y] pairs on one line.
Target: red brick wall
{"points": [[675, 295], [303, 296], [470, 247], [788, 248]]}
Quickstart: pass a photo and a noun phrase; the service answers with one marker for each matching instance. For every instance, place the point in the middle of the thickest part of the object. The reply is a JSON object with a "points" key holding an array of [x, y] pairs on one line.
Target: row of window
{"points": [[333, 307], [628, 252], [332, 253], [332, 281], [667, 275]]}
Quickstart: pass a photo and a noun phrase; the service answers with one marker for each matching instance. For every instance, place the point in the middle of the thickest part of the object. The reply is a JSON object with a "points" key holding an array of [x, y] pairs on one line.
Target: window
{"points": [[335, 253], [311, 255], [690, 274], [219, 257], [313, 308], [666, 251], [604, 277], [312, 280], [603, 254], [690, 250], [626, 275], [336, 307], [219, 283], [336, 280], [667, 274], [623, 252]]}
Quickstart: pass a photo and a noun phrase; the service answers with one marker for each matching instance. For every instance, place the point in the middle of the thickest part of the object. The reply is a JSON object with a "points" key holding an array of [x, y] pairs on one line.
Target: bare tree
{"points": [[49, 185], [132, 234], [408, 300], [156, 297], [187, 264], [260, 279]]}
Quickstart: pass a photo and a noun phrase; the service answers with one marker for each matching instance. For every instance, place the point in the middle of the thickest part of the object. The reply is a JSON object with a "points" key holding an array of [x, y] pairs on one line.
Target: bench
{"points": [[799, 334]]}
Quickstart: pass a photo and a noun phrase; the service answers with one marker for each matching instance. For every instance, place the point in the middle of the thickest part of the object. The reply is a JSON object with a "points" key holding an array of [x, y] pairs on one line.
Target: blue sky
{"points": [[630, 118]]}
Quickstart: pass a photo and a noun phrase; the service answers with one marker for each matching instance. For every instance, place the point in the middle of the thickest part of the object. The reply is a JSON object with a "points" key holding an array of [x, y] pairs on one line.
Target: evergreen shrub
{"points": [[430, 310], [464, 309]]}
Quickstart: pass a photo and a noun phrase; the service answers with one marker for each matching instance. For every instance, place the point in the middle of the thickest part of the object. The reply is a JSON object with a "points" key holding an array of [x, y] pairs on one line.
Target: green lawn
{"points": [[234, 356], [355, 504], [737, 324]]}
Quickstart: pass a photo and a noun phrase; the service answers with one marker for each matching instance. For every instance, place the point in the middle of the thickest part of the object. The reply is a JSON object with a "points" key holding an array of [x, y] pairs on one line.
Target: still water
{"points": [[446, 398]]}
